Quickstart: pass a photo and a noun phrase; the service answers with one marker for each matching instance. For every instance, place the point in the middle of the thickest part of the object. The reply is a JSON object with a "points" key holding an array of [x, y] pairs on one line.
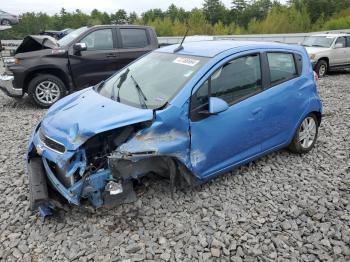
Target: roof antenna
{"points": [[180, 47]]}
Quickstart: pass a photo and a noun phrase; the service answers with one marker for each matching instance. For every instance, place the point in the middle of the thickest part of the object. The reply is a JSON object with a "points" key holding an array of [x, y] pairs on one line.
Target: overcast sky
{"points": [[110, 6]]}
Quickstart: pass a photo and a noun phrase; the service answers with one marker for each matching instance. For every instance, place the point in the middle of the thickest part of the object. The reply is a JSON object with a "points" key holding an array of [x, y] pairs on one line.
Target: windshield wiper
{"points": [[121, 81], [141, 94], [97, 87], [318, 45]]}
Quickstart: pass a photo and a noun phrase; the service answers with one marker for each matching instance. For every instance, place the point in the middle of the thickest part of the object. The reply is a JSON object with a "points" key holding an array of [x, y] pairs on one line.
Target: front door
{"points": [[98, 62], [233, 136], [339, 53]]}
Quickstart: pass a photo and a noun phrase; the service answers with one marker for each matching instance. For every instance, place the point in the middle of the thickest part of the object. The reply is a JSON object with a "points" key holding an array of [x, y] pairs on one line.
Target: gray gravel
{"points": [[281, 207]]}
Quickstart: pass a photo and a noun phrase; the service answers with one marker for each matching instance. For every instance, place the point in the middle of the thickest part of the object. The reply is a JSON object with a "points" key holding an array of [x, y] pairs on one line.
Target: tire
{"points": [[5, 22], [321, 68], [45, 90], [300, 145]]}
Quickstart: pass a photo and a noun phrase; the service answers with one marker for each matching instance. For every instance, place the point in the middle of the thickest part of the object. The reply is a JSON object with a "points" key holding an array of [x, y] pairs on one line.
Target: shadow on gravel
{"points": [[24, 103]]}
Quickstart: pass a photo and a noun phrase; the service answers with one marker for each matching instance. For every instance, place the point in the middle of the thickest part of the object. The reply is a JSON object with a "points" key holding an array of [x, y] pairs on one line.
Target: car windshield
{"points": [[71, 36], [151, 81], [319, 41]]}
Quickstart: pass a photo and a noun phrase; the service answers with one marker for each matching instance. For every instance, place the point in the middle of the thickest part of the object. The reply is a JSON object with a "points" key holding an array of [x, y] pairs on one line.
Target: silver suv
{"points": [[7, 19], [328, 52]]}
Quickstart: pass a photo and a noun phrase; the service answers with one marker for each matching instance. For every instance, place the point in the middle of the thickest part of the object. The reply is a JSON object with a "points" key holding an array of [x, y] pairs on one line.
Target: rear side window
{"points": [[133, 37], [348, 41], [282, 67]]}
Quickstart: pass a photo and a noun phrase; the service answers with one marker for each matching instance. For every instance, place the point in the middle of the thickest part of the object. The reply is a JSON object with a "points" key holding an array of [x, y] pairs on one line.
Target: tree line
{"points": [[213, 18]]}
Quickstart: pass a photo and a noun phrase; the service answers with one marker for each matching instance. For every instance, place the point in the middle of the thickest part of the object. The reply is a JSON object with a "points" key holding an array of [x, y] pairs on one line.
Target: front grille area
{"points": [[50, 143]]}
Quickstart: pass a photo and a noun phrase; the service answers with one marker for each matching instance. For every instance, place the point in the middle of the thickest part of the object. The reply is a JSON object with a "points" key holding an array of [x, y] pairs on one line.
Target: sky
{"points": [[110, 6]]}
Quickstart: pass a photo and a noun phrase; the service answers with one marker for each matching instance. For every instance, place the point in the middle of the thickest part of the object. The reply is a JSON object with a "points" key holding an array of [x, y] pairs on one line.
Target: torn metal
{"points": [[83, 160]]}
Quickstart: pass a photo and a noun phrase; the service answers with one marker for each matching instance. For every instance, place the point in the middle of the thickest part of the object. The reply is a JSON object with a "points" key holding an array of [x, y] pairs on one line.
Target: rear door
{"points": [[98, 62], [286, 97], [132, 43]]}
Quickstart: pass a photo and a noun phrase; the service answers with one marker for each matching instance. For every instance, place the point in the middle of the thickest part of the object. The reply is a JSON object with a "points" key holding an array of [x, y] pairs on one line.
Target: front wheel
{"points": [[321, 68], [305, 136], [5, 22], [45, 90]]}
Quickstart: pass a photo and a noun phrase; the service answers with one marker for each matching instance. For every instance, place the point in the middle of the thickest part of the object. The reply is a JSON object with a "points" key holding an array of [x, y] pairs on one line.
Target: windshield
{"points": [[319, 41], [71, 36], [153, 80]]}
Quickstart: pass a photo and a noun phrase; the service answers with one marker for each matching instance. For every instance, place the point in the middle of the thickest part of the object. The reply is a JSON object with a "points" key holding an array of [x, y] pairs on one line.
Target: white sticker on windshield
{"points": [[186, 61], [330, 37]]}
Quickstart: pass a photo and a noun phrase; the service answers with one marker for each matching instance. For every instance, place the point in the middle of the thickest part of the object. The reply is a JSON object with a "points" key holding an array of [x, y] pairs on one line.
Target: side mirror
{"points": [[339, 45], [78, 47], [217, 105]]}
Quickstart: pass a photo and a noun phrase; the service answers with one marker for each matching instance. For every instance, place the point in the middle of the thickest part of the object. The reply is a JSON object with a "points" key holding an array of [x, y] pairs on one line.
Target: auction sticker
{"points": [[186, 61]]}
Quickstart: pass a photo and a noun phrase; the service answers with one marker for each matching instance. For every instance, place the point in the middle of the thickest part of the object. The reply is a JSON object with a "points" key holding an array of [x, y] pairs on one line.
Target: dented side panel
{"points": [[170, 138]]}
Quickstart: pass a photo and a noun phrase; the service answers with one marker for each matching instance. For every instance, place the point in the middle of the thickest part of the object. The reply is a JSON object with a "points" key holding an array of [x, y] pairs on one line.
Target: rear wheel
{"points": [[45, 90], [305, 136], [321, 68]]}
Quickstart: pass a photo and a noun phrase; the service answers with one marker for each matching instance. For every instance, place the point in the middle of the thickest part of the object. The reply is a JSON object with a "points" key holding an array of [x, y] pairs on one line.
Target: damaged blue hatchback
{"points": [[188, 113]]}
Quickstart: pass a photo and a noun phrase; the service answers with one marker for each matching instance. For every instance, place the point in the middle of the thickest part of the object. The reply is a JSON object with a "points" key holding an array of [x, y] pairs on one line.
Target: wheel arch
{"points": [[324, 58], [49, 71]]}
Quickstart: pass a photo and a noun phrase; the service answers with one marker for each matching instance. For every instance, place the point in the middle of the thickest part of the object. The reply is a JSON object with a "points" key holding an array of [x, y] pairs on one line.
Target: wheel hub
{"points": [[47, 92], [307, 132]]}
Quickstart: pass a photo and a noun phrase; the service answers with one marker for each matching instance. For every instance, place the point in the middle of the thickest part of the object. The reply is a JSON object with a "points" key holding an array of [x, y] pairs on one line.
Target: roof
{"points": [[215, 47], [332, 34], [121, 26]]}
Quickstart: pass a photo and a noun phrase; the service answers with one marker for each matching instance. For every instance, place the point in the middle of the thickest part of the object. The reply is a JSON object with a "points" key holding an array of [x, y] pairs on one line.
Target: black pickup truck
{"points": [[47, 69]]}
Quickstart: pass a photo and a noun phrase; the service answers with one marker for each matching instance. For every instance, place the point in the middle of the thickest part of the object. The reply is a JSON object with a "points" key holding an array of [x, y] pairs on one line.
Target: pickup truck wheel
{"points": [[45, 90], [305, 136], [321, 68]]}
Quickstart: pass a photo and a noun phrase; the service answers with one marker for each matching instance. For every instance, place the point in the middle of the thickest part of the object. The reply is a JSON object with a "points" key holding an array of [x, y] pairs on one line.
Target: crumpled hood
{"points": [[315, 50], [36, 42], [77, 117]]}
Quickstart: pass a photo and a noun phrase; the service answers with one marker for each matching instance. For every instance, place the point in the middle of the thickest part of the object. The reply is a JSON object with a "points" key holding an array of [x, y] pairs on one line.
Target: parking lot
{"points": [[282, 206]]}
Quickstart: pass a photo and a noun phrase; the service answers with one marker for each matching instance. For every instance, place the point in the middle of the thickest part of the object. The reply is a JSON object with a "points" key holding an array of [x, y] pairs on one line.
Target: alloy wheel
{"points": [[47, 92], [322, 70], [5, 22], [307, 132]]}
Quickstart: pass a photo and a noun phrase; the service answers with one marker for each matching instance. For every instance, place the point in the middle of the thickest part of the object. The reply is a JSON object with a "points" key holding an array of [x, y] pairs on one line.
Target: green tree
{"points": [[214, 11]]}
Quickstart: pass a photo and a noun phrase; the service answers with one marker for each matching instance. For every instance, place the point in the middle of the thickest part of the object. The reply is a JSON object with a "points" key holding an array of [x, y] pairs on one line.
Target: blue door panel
{"points": [[227, 138], [285, 103]]}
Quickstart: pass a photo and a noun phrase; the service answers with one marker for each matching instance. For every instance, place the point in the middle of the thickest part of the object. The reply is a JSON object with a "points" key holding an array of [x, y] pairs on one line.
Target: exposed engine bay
{"points": [[98, 171]]}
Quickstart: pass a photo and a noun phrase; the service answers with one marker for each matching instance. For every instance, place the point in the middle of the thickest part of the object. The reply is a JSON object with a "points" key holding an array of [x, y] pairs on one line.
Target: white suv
{"points": [[328, 51]]}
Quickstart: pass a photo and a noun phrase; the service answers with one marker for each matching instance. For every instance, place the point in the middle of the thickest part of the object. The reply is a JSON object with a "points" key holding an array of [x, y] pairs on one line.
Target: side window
{"points": [[232, 82], [133, 37], [237, 79], [341, 40], [282, 67], [99, 40], [348, 41]]}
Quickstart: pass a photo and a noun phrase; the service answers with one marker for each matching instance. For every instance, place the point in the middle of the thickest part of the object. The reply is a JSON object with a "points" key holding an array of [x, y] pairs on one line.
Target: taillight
{"points": [[316, 77]]}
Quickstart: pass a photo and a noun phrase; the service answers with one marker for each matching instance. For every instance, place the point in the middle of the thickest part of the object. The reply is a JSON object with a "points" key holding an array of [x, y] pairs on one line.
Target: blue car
{"points": [[189, 113]]}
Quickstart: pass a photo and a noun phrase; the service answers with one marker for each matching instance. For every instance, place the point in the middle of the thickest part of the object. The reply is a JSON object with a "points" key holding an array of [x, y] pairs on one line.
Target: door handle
{"points": [[256, 110], [111, 55]]}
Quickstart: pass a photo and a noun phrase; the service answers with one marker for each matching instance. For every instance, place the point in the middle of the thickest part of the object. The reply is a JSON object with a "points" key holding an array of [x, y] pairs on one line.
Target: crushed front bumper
{"points": [[97, 186], [6, 85]]}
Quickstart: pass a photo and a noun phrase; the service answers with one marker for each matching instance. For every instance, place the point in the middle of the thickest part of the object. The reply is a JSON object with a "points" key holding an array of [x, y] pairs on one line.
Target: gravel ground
{"points": [[280, 207]]}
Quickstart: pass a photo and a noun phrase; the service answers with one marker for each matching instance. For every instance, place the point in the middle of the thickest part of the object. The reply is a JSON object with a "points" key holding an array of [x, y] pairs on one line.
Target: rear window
{"points": [[133, 37], [282, 67]]}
